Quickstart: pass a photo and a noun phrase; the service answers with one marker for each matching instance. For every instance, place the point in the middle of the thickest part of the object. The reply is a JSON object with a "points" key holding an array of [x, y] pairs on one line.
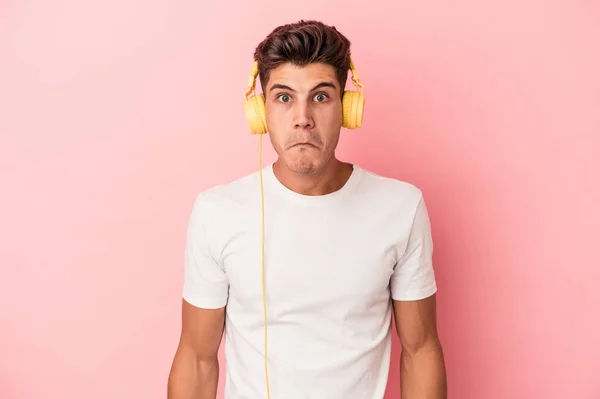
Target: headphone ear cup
{"points": [[352, 109], [254, 108]]}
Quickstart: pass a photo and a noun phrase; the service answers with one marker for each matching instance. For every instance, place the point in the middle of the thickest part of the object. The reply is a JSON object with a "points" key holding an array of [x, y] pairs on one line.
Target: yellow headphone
{"points": [[254, 107], [352, 104]]}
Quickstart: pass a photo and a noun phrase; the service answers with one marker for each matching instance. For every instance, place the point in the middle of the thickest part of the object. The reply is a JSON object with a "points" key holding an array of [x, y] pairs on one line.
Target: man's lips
{"points": [[303, 145]]}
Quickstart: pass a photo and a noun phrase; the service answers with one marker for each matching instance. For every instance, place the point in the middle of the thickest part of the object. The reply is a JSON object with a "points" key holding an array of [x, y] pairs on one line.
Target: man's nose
{"points": [[303, 117]]}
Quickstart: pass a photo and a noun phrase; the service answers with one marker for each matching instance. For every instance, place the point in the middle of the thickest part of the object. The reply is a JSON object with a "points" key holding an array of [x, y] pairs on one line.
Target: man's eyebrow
{"points": [[318, 86], [280, 86], [323, 84]]}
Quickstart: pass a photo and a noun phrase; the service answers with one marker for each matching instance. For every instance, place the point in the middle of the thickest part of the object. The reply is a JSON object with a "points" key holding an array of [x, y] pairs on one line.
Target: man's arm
{"points": [[195, 370], [422, 368]]}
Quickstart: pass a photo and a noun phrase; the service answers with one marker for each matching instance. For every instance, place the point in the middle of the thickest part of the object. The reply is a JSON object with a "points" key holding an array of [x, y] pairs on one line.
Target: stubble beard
{"points": [[308, 166]]}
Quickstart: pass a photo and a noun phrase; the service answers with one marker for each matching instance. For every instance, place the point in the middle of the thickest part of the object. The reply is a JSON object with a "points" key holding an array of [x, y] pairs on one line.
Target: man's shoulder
{"points": [[390, 187], [229, 194]]}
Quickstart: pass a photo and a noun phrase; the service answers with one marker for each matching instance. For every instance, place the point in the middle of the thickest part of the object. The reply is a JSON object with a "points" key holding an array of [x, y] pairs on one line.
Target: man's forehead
{"points": [[306, 75]]}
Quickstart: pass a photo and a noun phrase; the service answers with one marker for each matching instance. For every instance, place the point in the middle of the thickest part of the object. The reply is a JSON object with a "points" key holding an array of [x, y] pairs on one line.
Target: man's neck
{"points": [[329, 179]]}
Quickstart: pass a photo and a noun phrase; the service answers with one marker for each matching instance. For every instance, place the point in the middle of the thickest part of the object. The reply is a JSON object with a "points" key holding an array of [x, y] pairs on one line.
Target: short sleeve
{"points": [[413, 277], [205, 282]]}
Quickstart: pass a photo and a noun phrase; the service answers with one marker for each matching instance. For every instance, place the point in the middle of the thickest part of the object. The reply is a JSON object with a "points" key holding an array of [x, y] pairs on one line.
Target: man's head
{"points": [[303, 69]]}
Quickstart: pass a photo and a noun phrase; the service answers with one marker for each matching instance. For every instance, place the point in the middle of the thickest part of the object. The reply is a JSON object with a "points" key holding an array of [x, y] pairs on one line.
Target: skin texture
{"points": [[304, 115], [195, 370], [422, 368]]}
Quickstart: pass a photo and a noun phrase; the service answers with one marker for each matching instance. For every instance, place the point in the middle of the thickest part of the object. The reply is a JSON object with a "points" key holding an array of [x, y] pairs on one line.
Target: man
{"points": [[344, 249]]}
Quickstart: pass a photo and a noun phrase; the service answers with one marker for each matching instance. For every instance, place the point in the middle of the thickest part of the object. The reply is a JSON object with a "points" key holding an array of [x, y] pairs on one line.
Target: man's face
{"points": [[304, 115]]}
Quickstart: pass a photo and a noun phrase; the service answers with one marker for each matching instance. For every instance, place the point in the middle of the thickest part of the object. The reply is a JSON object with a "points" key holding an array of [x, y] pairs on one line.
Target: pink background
{"points": [[114, 114]]}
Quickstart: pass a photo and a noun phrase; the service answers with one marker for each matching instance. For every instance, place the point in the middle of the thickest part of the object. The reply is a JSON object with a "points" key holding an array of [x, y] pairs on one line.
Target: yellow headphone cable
{"points": [[262, 195]]}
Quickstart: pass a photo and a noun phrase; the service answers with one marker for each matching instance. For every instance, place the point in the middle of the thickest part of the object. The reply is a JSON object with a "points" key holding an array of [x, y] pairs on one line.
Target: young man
{"points": [[344, 249]]}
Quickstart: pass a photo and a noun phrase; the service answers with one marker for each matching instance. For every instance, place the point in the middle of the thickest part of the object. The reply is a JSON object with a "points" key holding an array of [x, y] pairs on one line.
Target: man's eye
{"points": [[321, 97], [284, 98]]}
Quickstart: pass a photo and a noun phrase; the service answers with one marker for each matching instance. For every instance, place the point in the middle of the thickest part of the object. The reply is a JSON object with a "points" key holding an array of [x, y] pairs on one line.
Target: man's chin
{"points": [[305, 167]]}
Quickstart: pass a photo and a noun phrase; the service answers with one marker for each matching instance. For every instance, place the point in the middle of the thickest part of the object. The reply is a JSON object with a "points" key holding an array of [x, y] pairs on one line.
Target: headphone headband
{"points": [[355, 78], [252, 80]]}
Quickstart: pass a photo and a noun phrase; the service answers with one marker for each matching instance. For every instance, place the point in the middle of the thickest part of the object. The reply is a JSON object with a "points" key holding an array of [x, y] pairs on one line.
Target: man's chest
{"points": [[311, 258]]}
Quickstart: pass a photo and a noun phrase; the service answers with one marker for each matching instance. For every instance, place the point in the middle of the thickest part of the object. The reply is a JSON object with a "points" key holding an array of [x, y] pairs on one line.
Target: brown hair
{"points": [[302, 43]]}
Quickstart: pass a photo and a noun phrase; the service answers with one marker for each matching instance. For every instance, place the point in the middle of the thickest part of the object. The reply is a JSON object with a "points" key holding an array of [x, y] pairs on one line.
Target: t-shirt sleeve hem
{"points": [[415, 294], [204, 302]]}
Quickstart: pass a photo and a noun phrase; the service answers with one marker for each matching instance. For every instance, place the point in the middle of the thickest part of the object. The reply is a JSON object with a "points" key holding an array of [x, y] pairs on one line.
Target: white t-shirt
{"points": [[332, 265]]}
